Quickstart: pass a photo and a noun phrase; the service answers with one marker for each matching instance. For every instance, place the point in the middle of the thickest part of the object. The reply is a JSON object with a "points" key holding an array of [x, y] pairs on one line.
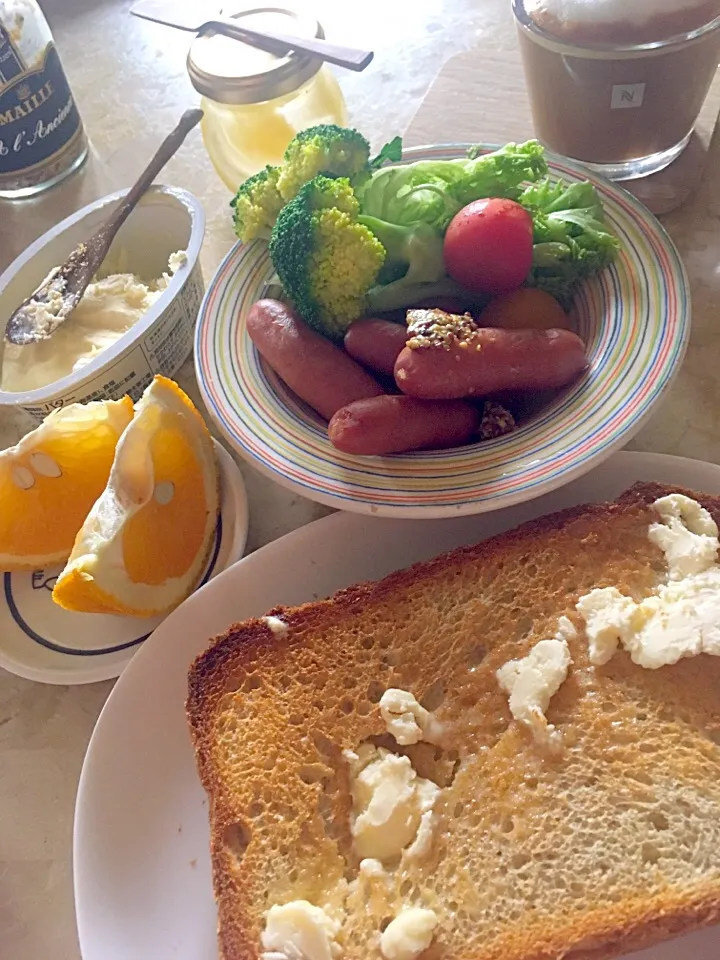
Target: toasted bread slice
{"points": [[608, 845]]}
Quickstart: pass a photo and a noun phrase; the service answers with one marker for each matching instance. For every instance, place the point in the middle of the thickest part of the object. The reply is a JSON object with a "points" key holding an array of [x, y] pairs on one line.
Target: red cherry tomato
{"points": [[489, 246]]}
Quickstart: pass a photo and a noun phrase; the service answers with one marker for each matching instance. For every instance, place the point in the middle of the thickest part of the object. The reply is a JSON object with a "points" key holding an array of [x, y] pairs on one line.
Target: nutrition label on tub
{"points": [[169, 343]]}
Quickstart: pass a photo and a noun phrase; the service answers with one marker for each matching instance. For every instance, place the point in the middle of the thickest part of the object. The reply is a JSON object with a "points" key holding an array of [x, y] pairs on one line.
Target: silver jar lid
{"points": [[230, 71]]}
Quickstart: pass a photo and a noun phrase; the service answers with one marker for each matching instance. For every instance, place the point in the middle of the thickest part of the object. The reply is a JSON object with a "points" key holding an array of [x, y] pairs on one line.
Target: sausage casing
{"points": [[376, 343], [319, 372], [396, 424], [486, 361]]}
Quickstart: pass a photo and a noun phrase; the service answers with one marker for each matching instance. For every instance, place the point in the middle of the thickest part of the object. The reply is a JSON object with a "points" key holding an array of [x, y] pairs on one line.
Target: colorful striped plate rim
{"points": [[634, 317]]}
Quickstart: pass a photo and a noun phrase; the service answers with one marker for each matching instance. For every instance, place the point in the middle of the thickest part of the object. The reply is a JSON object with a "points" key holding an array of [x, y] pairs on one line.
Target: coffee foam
{"points": [[635, 12]]}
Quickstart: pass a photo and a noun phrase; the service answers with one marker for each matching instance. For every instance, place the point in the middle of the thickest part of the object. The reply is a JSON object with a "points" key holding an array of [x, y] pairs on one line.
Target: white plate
{"points": [[42, 642], [142, 868]]}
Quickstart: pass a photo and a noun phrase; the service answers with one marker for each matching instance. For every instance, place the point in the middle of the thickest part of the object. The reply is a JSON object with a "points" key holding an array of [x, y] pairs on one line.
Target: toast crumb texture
{"points": [[610, 846]]}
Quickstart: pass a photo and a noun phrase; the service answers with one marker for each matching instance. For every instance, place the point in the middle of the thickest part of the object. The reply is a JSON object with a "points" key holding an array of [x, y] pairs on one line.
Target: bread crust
{"points": [[598, 934]]}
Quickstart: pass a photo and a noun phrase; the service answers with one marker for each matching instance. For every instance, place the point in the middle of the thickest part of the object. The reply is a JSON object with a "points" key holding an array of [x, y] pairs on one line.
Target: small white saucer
{"points": [[41, 641]]}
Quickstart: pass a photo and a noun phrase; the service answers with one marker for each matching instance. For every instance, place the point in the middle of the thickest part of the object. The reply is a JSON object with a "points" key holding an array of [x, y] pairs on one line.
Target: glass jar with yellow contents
{"points": [[255, 102]]}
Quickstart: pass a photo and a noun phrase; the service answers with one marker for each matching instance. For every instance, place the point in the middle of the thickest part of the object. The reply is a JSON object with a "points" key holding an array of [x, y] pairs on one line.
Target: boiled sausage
{"points": [[380, 425], [450, 357], [376, 343], [318, 371]]}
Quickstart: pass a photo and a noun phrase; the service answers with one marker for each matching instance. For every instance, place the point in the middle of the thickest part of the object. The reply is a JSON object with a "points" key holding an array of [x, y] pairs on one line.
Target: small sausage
{"points": [[380, 425], [318, 371], [376, 343], [485, 361]]}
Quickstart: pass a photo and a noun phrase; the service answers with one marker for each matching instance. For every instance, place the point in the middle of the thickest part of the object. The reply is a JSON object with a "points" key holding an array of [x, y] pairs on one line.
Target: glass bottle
{"points": [[41, 134], [255, 102]]}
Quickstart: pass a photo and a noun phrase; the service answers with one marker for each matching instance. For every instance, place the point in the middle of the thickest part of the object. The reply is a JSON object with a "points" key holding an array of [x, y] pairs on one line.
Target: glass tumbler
{"points": [[626, 110]]}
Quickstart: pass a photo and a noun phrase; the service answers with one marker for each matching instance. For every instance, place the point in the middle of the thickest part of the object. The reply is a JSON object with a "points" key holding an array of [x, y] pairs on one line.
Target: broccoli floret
{"points": [[257, 204], [325, 149], [325, 259], [408, 292], [336, 265], [414, 253]]}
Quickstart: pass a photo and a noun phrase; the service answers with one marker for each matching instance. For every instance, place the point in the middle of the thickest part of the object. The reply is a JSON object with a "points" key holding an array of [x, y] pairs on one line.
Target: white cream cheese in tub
{"points": [[167, 220]]}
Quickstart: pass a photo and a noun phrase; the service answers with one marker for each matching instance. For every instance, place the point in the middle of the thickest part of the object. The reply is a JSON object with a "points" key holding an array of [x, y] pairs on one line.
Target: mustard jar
{"points": [[42, 140], [255, 102]]}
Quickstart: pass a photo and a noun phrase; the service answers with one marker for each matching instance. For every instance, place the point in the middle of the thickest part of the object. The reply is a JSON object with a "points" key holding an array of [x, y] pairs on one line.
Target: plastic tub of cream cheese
{"points": [[136, 319]]}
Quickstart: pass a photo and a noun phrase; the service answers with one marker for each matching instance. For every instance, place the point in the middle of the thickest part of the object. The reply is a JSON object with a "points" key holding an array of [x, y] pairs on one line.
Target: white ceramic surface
{"points": [[166, 220], [142, 870], [42, 642]]}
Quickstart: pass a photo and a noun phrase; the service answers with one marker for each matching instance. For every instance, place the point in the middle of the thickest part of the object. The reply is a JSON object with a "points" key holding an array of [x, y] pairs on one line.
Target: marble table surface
{"points": [[130, 82]]}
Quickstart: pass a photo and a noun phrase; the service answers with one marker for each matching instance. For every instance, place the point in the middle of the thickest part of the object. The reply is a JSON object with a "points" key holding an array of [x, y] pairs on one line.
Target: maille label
{"points": [[38, 116]]}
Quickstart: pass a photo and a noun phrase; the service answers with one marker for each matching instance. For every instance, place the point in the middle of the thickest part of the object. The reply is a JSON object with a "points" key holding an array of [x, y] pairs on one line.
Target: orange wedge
{"points": [[50, 480], [144, 545]]}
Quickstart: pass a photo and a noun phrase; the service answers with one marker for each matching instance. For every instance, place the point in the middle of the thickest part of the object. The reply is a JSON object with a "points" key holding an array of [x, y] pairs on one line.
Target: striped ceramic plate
{"points": [[635, 319]]}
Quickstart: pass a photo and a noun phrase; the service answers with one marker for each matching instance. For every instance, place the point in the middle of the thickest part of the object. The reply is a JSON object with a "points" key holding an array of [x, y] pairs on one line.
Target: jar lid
{"points": [[230, 71]]}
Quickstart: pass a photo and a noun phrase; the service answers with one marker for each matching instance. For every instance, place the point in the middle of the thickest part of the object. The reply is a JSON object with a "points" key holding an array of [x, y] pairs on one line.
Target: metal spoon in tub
{"points": [[39, 316]]}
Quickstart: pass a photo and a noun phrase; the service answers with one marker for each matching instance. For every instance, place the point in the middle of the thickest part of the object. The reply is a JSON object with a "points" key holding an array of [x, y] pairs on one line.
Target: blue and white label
{"points": [[11, 61], [38, 117]]}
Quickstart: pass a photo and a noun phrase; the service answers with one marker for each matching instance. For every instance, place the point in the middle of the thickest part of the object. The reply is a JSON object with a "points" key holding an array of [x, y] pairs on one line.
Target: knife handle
{"points": [[279, 43]]}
